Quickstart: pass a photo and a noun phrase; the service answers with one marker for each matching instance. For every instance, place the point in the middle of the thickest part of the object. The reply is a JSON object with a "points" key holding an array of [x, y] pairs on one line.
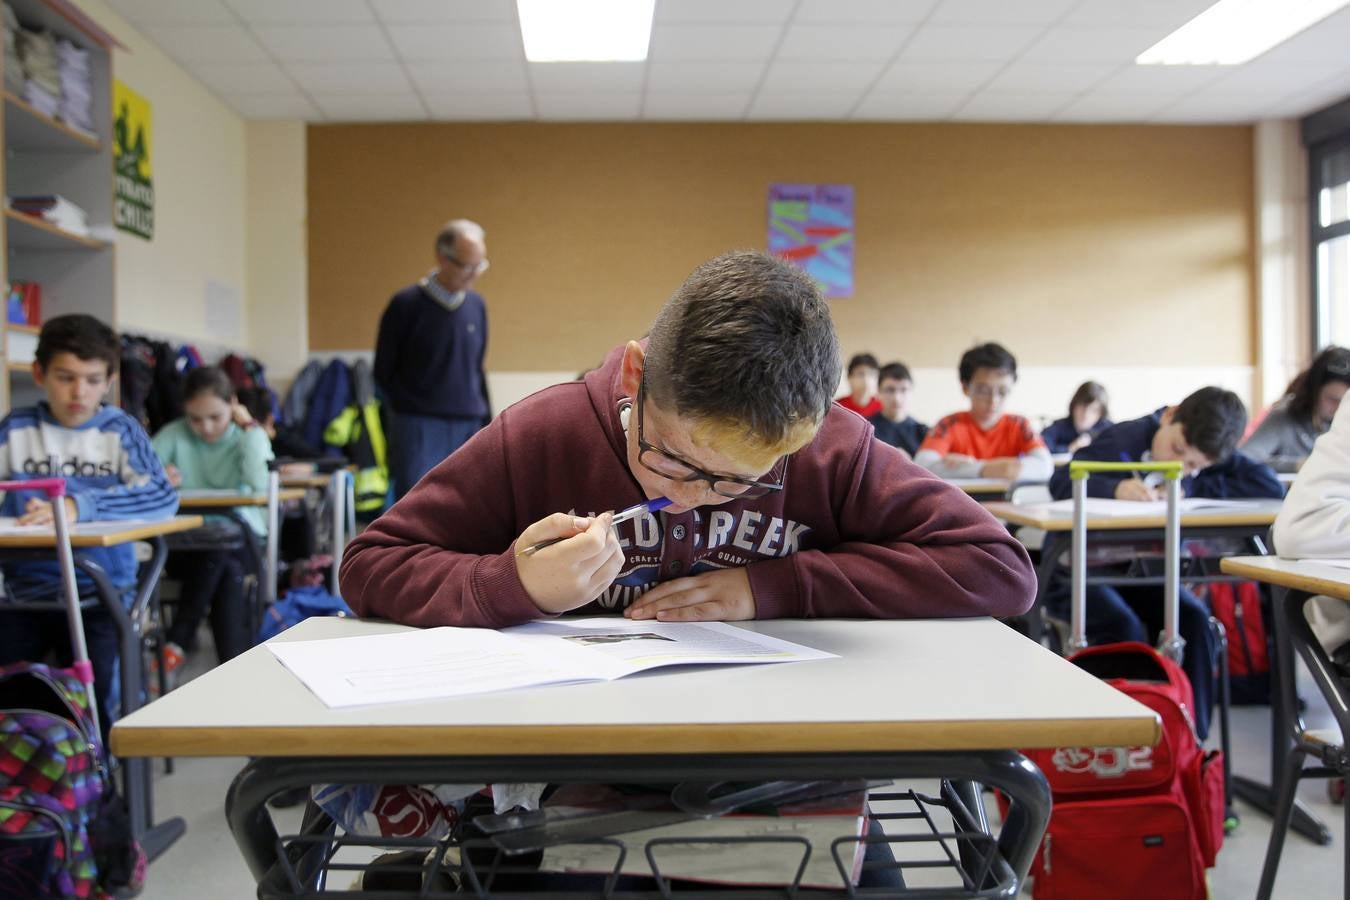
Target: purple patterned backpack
{"points": [[56, 800]]}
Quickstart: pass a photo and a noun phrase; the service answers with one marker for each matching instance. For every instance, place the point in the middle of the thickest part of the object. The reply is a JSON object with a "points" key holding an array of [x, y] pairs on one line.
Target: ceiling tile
{"points": [[696, 107], [576, 77], [820, 78], [467, 40], [1118, 108], [479, 105], [701, 77], [941, 78], [848, 11], [948, 43], [1020, 76], [1000, 106], [371, 107], [734, 42], [301, 12], [1261, 75], [1215, 108], [252, 78], [175, 12], [413, 11], [1166, 15], [1171, 80], [450, 76], [360, 78], [206, 43], [786, 106], [851, 42], [1325, 41], [723, 11], [909, 105], [1000, 12], [273, 106], [590, 106], [325, 43], [1093, 45]]}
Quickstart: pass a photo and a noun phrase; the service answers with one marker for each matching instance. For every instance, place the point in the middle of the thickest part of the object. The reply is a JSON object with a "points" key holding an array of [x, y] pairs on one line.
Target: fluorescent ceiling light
{"points": [[585, 30], [1231, 32]]}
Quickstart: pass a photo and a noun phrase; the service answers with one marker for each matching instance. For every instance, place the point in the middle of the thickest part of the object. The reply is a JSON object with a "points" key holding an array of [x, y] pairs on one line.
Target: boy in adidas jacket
{"points": [[783, 505], [111, 472]]}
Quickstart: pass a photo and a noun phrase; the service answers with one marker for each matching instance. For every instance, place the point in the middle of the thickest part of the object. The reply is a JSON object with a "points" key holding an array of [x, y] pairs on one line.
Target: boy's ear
{"points": [[630, 370], [38, 373]]}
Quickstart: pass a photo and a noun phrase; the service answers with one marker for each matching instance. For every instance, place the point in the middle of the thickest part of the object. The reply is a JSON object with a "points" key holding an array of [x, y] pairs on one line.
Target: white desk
{"points": [[905, 699]]}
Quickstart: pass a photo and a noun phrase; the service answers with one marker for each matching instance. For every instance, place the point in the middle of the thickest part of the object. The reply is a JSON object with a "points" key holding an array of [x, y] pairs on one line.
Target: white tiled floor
{"points": [[205, 864]]}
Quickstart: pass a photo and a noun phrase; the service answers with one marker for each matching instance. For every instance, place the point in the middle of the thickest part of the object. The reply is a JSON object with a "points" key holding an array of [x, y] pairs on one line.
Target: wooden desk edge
{"points": [[1120, 523], [1299, 581], [224, 502], [149, 530], [544, 740]]}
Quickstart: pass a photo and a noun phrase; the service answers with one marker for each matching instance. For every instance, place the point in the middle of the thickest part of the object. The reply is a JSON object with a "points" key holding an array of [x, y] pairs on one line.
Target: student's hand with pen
{"points": [[175, 477], [574, 571], [1134, 489], [722, 595]]}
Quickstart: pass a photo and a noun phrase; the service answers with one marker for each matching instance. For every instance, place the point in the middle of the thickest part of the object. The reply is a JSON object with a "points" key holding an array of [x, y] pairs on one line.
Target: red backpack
{"points": [[1132, 822], [1238, 607]]}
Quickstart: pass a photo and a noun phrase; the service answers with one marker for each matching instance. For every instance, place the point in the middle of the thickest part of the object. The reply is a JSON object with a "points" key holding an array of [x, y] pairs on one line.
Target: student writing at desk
{"points": [[986, 442], [783, 505], [215, 445], [1286, 435], [1201, 433], [111, 472]]}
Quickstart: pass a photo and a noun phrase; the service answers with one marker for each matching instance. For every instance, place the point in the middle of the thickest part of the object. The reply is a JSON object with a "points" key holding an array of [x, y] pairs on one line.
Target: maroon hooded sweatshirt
{"points": [[858, 531]]}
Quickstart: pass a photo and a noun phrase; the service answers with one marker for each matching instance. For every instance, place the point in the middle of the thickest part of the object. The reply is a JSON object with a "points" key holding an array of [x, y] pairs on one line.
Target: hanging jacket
{"points": [[331, 396], [297, 398], [357, 430]]}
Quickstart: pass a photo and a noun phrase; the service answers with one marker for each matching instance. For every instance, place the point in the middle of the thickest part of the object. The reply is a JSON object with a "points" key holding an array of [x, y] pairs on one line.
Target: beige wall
{"points": [[277, 283], [1076, 245], [197, 158]]}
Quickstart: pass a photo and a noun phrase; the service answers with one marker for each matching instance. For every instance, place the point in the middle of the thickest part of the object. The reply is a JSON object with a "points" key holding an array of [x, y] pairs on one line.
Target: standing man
{"points": [[429, 357]]}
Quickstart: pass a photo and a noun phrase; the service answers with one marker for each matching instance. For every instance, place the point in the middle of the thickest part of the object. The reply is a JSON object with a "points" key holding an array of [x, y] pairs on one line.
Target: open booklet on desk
{"points": [[432, 663]]}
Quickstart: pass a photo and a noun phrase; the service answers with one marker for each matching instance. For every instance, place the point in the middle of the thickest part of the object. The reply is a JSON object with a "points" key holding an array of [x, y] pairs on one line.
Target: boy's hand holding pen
{"points": [[583, 560]]}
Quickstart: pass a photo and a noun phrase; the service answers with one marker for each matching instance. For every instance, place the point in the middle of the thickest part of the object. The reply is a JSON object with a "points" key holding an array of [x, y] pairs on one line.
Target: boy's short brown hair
{"points": [[82, 335], [746, 348]]}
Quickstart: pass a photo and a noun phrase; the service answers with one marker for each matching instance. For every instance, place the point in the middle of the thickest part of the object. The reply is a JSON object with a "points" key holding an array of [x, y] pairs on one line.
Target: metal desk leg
{"points": [[1283, 718], [337, 497], [137, 781]]}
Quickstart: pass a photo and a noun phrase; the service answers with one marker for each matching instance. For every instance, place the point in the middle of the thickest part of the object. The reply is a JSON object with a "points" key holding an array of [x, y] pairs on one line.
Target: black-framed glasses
{"points": [[677, 468], [477, 268]]}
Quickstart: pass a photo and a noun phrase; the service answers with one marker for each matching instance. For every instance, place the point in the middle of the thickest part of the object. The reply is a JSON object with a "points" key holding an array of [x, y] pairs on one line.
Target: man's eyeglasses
{"points": [[477, 268], [677, 468]]}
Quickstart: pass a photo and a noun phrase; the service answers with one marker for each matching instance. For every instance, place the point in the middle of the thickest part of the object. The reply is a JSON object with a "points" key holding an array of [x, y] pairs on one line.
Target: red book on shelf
{"points": [[32, 303]]}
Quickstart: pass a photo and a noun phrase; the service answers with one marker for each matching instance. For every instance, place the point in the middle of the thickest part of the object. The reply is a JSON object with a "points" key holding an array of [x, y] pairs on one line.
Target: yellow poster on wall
{"points": [[134, 188]]}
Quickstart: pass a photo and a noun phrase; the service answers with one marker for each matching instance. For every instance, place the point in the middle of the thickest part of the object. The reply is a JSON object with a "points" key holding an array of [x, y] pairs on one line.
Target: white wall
{"points": [[197, 162], [1283, 301]]}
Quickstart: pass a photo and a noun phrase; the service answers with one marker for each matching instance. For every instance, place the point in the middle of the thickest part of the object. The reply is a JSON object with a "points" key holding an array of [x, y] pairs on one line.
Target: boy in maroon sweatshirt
{"points": [[783, 505]]}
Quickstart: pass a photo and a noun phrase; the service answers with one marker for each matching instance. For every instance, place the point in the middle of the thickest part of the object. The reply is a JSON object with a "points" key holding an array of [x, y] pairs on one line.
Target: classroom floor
{"points": [[206, 865]]}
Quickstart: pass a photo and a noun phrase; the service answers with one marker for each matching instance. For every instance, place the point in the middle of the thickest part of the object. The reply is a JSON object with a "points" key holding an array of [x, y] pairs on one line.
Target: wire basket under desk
{"points": [[939, 851]]}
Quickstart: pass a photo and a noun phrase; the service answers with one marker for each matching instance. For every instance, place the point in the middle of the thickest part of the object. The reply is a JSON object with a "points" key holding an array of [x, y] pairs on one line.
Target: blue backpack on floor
{"points": [[297, 605]]}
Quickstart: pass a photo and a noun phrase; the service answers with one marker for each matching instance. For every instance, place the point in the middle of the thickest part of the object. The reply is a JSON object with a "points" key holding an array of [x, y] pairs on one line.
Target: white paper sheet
{"points": [[448, 662], [1104, 508]]}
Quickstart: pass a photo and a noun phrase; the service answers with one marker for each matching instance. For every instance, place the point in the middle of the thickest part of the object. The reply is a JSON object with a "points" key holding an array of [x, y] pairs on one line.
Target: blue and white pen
{"points": [[631, 512]]}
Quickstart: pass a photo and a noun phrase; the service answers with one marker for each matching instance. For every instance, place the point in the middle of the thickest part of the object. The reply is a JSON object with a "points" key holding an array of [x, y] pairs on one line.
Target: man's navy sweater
{"points": [[429, 359], [1236, 476]]}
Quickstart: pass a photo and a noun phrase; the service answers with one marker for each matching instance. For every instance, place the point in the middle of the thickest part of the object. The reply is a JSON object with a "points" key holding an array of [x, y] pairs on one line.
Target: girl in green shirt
{"points": [[216, 445]]}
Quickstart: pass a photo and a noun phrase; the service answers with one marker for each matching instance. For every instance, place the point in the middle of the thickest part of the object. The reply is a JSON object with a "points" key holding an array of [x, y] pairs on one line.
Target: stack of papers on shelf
{"points": [[72, 66], [1098, 507], [14, 80], [55, 209], [442, 662]]}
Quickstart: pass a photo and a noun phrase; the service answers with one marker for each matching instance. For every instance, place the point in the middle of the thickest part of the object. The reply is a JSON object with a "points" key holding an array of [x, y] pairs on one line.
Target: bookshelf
{"points": [[43, 155]]}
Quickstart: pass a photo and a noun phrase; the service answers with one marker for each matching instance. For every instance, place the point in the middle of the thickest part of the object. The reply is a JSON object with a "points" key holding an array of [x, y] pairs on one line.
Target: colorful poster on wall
{"points": [[812, 225], [133, 188]]}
